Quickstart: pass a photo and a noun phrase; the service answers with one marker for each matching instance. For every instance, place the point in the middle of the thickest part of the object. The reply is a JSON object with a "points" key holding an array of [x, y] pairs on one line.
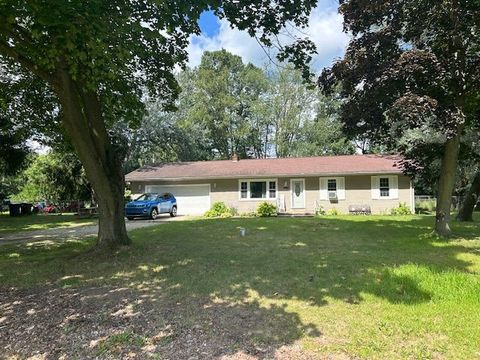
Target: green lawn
{"points": [[367, 287], [9, 224]]}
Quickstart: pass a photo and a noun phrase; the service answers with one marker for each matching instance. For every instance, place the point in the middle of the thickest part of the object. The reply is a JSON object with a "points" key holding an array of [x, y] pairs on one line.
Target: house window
{"points": [[384, 187], [243, 189], [258, 189], [272, 189], [332, 185]]}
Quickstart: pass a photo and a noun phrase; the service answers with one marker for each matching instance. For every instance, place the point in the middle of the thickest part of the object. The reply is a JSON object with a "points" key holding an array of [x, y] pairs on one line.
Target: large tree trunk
{"points": [[83, 120], [468, 205], [445, 186]]}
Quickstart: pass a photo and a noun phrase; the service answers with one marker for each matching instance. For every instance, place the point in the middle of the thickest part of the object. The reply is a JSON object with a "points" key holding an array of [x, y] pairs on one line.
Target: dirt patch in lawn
{"points": [[125, 323]]}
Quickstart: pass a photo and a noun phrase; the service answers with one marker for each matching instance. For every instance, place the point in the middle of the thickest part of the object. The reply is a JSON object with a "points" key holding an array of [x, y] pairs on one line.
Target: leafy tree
{"points": [[224, 96], [55, 177], [291, 105], [13, 148], [238, 109], [302, 122], [407, 79], [324, 134], [95, 60], [167, 136]]}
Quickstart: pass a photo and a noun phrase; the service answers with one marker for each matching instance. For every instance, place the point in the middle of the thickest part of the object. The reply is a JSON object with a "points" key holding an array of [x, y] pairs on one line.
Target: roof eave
{"points": [[249, 176]]}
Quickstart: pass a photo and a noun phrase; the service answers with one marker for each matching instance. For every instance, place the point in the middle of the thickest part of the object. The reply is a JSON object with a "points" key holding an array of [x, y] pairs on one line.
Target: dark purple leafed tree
{"points": [[409, 77]]}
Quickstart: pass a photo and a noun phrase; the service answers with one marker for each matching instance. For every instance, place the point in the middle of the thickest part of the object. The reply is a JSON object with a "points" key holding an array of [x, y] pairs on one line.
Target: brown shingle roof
{"points": [[302, 166]]}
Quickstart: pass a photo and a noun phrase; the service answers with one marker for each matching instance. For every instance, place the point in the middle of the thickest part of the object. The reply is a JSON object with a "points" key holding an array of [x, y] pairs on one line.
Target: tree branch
{"points": [[12, 53]]}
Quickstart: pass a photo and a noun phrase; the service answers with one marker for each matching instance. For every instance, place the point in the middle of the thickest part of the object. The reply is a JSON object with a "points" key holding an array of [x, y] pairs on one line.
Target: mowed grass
{"points": [[12, 224], [367, 287]]}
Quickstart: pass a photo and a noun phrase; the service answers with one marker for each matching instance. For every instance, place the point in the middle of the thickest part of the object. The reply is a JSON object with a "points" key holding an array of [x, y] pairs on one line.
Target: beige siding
{"points": [[357, 192]]}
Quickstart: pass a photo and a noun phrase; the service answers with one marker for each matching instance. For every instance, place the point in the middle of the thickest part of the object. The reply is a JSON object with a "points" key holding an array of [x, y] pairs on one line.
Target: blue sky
{"points": [[209, 24], [325, 29]]}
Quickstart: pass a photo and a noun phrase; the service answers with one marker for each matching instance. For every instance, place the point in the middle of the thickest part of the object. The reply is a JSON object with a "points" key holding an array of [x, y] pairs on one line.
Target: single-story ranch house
{"points": [[296, 185]]}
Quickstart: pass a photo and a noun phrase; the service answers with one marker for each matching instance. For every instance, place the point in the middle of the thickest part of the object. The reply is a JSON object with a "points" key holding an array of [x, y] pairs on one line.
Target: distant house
{"points": [[296, 185]]}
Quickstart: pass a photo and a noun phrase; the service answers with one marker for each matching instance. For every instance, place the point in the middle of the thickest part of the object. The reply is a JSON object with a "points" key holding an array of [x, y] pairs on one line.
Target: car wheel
{"points": [[130, 218], [153, 214], [173, 213]]}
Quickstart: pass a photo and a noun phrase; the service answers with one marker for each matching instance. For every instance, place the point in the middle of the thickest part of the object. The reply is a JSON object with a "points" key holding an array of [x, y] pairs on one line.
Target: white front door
{"points": [[298, 193]]}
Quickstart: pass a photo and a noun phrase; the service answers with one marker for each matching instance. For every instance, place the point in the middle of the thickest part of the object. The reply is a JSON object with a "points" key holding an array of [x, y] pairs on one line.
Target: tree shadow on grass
{"points": [[115, 322], [199, 289], [12, 225]]}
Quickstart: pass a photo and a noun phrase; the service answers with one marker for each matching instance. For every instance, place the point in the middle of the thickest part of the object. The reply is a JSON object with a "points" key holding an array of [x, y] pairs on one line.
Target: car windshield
{"points": [[147, 197]]}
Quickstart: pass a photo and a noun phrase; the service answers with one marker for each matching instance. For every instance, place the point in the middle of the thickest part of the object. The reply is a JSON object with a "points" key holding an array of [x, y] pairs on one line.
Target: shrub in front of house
{"points": [[333, 212], [266, 209], [219, 209], [320, 211], [402, 209]]}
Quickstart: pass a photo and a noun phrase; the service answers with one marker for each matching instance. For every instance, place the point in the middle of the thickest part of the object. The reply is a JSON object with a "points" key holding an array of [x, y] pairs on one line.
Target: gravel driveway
{"points": [[76, 232]]}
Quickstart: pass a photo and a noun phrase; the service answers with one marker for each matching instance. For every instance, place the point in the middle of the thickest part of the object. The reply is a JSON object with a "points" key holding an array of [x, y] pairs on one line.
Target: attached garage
{"points": [[192, 199]]}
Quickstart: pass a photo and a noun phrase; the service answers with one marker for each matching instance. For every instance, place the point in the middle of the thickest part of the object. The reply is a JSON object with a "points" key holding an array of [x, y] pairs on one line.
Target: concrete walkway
{"points": [[76, 232]]}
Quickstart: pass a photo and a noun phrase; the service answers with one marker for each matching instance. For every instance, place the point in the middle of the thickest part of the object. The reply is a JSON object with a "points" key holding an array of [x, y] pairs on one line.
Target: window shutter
{"points": [[394, 187], [323, 189], [375, 185], [341, 188]]}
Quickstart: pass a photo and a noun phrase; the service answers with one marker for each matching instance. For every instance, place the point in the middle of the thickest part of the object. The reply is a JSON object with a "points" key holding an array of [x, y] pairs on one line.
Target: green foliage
{"points": [[410, 86], [92, 63], [128, 195], [320, 211], [168, 136], [266, 209], [13, 148], [9, 185], [333, 212], [425, 206], [129, 38], [54, 177], [225, 94], [302, 122], [219, 209], [402, 209], [227, 106]]}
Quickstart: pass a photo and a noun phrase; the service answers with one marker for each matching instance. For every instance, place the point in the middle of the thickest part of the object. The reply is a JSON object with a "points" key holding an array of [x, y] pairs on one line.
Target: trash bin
{"points": [[26, 208], [15, 209]]}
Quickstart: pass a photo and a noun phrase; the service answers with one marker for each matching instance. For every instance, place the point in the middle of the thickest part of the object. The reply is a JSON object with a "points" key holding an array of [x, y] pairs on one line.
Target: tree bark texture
{"points": [[471, 197], [83, 120], [446, 184]]}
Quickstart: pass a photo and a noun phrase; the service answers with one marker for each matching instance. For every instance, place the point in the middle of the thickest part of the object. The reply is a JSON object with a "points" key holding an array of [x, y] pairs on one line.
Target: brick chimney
{"points": [[235, 157]]}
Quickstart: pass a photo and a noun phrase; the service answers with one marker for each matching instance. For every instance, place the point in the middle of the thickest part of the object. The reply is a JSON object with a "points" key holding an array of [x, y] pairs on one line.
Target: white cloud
{"points": [[325, 30]]}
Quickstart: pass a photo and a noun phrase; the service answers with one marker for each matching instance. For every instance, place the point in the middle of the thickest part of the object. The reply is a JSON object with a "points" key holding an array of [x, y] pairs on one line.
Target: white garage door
{"points": [[191, 199]]}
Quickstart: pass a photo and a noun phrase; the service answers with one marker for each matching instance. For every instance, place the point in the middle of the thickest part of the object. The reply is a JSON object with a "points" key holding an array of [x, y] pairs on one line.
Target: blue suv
{"points": [[150, 205]]}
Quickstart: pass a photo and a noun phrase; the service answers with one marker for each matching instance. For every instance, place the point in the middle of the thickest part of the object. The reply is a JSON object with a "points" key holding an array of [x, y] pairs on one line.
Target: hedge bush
{"points": [[265, 209], [219, 209], [333, 212], [402, 209]]}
